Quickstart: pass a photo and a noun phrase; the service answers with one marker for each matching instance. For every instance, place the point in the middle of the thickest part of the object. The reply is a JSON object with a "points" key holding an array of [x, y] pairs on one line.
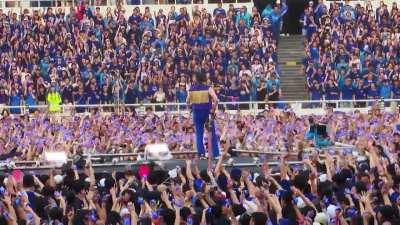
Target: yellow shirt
{"points": [[54, 100]]}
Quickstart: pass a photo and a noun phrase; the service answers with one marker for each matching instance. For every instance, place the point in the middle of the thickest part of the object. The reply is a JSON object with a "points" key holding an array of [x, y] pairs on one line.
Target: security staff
{"points": [[203, 102]]}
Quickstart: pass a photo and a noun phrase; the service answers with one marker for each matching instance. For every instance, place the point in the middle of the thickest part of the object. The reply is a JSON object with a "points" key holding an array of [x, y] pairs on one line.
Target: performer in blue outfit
{"points": [[203, 102]]}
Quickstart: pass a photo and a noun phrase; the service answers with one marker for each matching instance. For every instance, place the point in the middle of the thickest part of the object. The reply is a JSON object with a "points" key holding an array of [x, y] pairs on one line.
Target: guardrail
{"points": [[250, 107], [106, 161], [110, 3], [242, 161]]}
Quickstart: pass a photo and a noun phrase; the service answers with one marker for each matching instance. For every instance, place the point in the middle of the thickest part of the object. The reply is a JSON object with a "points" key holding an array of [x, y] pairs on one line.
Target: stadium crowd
{"points": [[352, 52], [86, 57], [83, 58], [328, 188], [26, 137]]}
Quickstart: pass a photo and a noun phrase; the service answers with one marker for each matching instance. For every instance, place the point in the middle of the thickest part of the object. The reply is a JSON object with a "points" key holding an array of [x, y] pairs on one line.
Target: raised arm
{"points": [[214, 97]]}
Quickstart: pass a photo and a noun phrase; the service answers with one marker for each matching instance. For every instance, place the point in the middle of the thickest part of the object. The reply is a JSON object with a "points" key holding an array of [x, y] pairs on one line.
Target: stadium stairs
{"points": [[290, 54]]}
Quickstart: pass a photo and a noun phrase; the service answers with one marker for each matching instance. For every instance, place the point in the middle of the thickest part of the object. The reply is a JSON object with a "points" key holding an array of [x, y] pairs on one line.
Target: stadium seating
{"points": [[352, 52], [86, 168], [85, 56]]}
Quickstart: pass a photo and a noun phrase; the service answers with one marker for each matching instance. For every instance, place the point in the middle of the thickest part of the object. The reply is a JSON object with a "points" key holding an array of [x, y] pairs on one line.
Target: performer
{"points": [[203, 102]]}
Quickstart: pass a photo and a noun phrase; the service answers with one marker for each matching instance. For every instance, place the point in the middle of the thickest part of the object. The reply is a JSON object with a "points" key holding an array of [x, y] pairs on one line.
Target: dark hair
{"points": [[168, 216], [56, 213], [28, 181], [185, 213], [259, 218], [200, 77], [244, 219]]}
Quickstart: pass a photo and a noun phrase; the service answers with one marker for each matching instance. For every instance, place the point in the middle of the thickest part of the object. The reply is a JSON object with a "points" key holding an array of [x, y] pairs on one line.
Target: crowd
{"points": [[352, 52], [328, 188], [27, 137], [87, 57], [83, 58]]}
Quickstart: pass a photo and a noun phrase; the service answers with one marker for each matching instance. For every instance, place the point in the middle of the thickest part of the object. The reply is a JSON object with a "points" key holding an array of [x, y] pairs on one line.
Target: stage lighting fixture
{"points": [[158, 152], [56, 158]]}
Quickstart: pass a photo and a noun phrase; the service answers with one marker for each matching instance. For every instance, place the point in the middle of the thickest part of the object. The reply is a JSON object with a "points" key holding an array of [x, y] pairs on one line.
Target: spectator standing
{"points": [[347, 92], [280, 10], [15, 101], [30, 99], [54, 100]]}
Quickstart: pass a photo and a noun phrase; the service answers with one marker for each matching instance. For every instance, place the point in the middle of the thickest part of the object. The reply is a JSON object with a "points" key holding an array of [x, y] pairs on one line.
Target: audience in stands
{"points": [[352, 52], [90, 57]]}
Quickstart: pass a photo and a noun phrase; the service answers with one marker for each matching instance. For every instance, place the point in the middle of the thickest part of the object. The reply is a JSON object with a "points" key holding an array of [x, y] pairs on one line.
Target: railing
{"points": [[110, 3], [67, 3], [119, 161], [299, 107]]}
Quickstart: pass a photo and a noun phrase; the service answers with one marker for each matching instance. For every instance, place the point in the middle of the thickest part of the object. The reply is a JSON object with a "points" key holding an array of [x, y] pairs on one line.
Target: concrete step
{"points": [[291, 49], [293, 45]]}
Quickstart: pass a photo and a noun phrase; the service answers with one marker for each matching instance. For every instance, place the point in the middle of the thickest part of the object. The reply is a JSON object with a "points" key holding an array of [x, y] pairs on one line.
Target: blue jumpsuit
{"points": [[200, 100]]}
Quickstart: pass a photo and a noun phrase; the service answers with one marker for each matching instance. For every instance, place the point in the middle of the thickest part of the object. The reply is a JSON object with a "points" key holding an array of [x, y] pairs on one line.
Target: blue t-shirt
{"points": [[359, 93], [316, 94], [372, 94], [396, 92], [347, 92], [332, 93], [181, 95], [385, 91]]}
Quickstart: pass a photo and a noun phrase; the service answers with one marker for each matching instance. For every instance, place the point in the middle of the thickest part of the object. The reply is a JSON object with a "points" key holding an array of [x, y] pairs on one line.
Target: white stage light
{"points": [[158, 152], [55, 158]]}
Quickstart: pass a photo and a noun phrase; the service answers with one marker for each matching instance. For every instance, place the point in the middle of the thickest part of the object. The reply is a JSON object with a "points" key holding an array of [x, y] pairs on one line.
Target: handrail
{"points": [[184, 104], [137, 163], [118, 155]]}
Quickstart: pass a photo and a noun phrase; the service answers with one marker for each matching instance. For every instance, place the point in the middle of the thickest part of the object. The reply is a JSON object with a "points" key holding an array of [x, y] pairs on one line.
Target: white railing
{"points": [[65, 5], [302, 107], [112, 3], [127, 4]]}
